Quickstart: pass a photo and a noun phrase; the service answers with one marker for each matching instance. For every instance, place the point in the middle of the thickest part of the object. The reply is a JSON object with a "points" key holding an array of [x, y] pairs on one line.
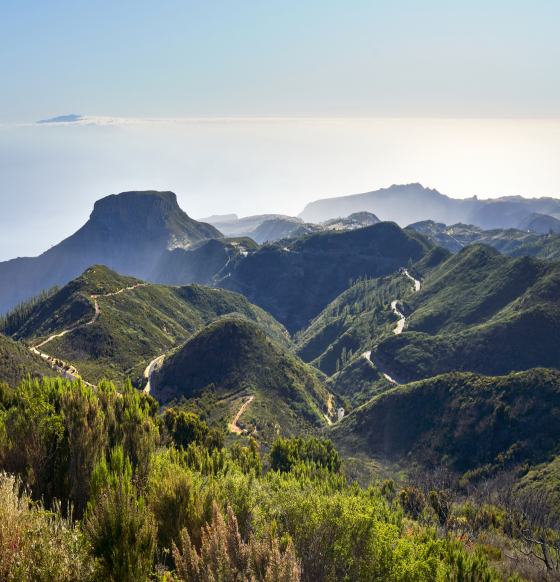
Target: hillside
{"points": [[474, 424], [541, 223], [355, 321], [295, 281], [481, 312], [546, 248], [409, 203], [245, 226], [277, 228], [133, 326], [231, 360], [16, 362], [508, 241], [200, 262], [126, 231]]}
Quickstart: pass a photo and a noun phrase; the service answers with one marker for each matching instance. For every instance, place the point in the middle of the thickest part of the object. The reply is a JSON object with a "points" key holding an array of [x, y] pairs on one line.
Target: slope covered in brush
{"points": [[133, 326], [232, 360], [482, 312], [16, 362], [295, 282], [471, 423]]}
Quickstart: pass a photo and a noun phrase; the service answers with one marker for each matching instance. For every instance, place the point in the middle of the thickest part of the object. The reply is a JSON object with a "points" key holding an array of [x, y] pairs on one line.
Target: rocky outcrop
{"points": [[128, 232]]}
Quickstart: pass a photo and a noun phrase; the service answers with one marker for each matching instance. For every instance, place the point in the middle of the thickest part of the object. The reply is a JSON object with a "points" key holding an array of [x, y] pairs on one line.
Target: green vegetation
{"points": [[15, 318], [133, 327], [16, 362], [216, 371], [296, 280], [145, 511], [481, 312], [547, 248], [354, 322], [476, 425]]}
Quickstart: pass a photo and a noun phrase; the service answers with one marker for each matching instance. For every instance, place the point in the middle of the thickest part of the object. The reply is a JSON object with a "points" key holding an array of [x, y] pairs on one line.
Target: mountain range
{"points": [[428, 337]]}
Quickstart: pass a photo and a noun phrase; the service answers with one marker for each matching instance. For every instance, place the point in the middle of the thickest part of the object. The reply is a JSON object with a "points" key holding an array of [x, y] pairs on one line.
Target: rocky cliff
{"points": [[127, 232]]}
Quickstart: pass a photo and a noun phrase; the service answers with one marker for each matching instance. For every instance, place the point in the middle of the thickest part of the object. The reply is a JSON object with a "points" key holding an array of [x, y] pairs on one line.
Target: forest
{"points": [[98, 486]]}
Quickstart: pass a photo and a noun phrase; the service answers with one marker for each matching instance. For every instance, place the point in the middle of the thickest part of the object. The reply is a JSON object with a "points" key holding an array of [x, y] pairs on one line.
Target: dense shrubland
{"points": [[96, 486]]}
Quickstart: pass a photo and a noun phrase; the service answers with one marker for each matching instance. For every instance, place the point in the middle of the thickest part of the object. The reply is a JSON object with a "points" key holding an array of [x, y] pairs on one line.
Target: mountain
{"points": [[455, 237], [410, 203], [545, 247], [200, 262], [355, 321], [295, 281], [541, 223], [218, 218], [245, 226], [16, 362], [478, 311], [278, 228], [126, 231], [476, 425], [113, 326], [229, 361]]}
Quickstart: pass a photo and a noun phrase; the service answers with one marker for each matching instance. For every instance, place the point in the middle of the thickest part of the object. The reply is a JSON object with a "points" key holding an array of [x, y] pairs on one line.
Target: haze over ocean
{"points": [[52, 174]]}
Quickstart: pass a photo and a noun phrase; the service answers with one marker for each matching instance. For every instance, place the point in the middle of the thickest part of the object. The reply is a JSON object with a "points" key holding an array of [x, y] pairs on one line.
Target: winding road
{"points": [[372, 357], [233, 426], [149, 373], [64, 368]]}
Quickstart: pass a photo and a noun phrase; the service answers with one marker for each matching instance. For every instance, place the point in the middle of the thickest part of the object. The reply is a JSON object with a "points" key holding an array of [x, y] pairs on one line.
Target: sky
{"points": [[253, 107]]}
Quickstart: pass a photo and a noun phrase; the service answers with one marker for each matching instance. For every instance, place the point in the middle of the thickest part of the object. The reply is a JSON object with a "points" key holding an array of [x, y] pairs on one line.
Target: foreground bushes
{"points": [[200, 512]]}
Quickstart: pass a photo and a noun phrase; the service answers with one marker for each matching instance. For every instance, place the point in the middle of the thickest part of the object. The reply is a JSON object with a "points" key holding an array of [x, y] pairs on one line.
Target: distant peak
{"points": [[134, 203], [62, 119]]}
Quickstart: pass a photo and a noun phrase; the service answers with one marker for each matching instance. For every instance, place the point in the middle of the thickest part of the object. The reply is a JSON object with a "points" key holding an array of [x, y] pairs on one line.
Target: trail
{"points": [[233, 426], [372, 357], [149, 373], [64, 368]]}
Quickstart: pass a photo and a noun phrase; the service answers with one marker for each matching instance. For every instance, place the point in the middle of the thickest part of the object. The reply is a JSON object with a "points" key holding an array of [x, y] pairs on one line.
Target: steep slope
{"points": [[297, 281], [126, 231], [16, 362], [474, 424], [545, 247], [541, 223], [455, 237], [200, 262], [409, 203], [230, 361], [245, 226], [134, 322], [274, 229], [482, 312]]}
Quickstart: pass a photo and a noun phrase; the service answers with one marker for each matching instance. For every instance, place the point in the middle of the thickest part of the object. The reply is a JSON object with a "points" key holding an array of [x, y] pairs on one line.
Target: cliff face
{"points": [[127, 232]]}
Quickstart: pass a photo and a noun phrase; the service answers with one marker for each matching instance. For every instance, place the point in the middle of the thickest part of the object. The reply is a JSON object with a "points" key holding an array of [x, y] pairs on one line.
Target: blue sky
{"points": [[285, 58], [460, 96]]}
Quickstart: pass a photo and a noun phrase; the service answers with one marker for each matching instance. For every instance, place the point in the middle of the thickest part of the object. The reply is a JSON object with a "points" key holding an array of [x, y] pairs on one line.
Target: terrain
{"points": [[478, 311], [296, 280], [476, 425], [17, 362], [409, 203], [127, 231], [106, 325], [216, 371]]}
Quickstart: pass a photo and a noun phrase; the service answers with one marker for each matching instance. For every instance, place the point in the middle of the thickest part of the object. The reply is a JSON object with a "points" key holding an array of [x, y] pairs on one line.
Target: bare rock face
{"points": [[127, 232]]}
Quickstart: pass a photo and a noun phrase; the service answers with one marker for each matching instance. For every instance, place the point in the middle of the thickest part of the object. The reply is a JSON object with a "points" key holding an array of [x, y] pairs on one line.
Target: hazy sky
{"points": [[460, 96]]}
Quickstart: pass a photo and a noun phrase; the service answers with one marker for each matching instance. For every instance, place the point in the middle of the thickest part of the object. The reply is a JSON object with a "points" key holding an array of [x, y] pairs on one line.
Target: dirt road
{"points": [[64, 368], [233, 426]]}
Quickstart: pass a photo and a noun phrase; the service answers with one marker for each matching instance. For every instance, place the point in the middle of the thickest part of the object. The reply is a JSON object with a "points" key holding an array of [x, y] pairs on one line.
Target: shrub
{"points": [[36, 544], [225, 557]]}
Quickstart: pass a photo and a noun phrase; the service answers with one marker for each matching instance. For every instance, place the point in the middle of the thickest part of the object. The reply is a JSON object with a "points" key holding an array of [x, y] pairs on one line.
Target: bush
{"points": [[119, 527], [36, 544]]}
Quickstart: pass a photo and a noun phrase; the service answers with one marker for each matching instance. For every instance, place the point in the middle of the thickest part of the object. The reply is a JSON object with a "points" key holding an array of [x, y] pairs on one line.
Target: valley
{"points": [[403, 350]]}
